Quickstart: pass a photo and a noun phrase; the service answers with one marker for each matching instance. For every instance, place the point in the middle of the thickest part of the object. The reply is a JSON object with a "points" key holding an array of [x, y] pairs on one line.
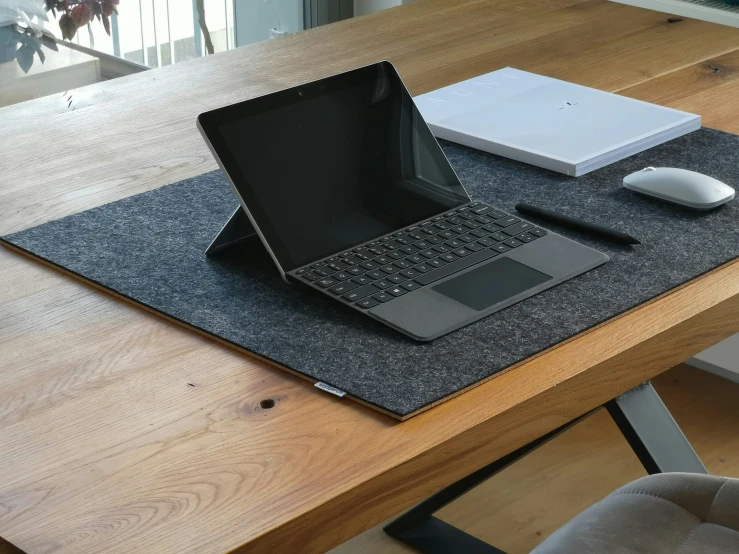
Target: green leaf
{"points": [[68, 27], [41, 55], [49, 42], [106, 24], [24, 55]]}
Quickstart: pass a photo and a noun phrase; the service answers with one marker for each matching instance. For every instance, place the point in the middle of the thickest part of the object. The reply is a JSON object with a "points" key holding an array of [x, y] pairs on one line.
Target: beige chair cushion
{"points": [[670, 513]]}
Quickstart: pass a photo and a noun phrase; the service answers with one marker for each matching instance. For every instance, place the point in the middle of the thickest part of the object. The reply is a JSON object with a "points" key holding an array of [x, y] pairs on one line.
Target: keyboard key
{"points": [[392, 245], [459, 229], [410, 285], [454, 220], [441, 248], [326, 282], [397, 278], [341, 288], [323, 271], [462, 252], [367, 303], [466, 238], [378, 250], [341, 276], [518, 228], [498, 236], [311, 276], [316, 265], [479, 233], [448, 234], [481, 209], [363, 280], [429, 253], [537, 232], [364, 254], [376, 274], [500, 247], [301, 271], [389, 269], [458, 265], [382, 297], [396, 254], [434, 240], [436, 263], [467, 215], [360, 293], [382, 260], [474, 246], [352, 260], [337, 266], [416, 259], [513, 243], [484, 219], [422, 244], [422, 268], [473, 224], [454, 243], [410, 273], [428, 230], [343, 254], [418, 235], [396, 291], [449, 257], [402, 264], [404, 239], [356, 270], [385, 283], [506, 221], [441, 225], [409, 249], [425, 224], [487, 241], [525, 237], [369, 264]]}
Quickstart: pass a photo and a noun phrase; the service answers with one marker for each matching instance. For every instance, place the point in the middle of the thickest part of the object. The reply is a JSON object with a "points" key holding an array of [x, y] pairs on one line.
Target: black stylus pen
{"points": [[579, 224]]}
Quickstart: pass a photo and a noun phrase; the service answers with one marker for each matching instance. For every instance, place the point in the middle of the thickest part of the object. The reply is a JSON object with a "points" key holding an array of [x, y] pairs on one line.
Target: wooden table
{"points": [[122, 432]]}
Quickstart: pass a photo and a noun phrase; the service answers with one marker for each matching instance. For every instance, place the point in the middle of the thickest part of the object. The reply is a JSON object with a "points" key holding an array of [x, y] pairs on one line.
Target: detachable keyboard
{"points": [[414, 257]]}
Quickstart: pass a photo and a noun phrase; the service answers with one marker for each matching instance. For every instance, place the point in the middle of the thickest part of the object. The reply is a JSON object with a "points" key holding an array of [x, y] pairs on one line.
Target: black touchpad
{"points": [[491, 283]]}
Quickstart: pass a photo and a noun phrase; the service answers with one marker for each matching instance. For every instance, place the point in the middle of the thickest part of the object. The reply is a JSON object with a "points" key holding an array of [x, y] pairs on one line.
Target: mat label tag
{"points": [[330, 389]]}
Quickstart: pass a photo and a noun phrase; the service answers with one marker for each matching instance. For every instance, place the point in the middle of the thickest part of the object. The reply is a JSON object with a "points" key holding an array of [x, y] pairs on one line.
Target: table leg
{"points": [[419, 529], [652, 433], [641, 416]]}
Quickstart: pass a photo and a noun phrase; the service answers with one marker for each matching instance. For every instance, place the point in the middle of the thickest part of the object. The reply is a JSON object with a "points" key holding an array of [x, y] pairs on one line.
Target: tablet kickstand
{"points": [[237, 229]]}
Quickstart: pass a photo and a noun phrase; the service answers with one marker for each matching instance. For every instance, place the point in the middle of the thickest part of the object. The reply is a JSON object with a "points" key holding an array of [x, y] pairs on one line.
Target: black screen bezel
{"points": [[209, 123]]}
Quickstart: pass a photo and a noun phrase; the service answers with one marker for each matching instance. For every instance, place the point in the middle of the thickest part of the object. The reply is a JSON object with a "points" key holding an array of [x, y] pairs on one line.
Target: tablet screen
{"points": [[329, 165]]}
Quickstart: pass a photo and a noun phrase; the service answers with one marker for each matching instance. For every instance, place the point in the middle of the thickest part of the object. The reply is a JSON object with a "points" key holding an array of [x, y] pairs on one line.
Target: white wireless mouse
{"points": [[680, 186]]}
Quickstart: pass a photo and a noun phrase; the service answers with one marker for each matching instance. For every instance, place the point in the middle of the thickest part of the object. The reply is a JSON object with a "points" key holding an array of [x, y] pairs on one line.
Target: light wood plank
{"points": [[109, 447]]}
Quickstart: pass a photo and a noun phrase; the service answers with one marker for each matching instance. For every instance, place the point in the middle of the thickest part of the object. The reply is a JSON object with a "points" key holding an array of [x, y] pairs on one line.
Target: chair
{"points": [[668, 513]]}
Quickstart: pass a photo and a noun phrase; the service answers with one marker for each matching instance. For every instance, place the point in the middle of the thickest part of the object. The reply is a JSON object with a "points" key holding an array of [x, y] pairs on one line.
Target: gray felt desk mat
{"points": [[150, 247]]}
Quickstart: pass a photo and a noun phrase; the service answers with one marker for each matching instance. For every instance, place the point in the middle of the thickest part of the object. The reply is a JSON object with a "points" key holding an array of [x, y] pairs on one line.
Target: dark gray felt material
{"points": [[150, 248]]}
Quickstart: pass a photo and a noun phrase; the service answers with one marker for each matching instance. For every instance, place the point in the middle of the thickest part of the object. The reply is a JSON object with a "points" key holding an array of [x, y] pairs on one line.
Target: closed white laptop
{"points": [[549, 123]]}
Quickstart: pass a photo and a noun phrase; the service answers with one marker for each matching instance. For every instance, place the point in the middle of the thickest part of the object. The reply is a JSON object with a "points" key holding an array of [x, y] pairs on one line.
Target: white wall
{"points": [[363, 7], [254, 18]]}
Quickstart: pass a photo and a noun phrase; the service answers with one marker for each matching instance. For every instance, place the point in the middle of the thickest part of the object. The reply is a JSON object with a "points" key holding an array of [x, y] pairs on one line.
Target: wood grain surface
{"points": [[122, 432]]}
